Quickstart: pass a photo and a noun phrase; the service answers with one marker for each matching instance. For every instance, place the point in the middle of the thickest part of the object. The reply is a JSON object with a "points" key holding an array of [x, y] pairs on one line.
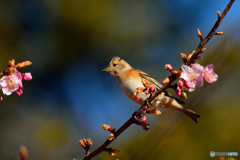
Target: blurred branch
{"points": [[188, 60]]}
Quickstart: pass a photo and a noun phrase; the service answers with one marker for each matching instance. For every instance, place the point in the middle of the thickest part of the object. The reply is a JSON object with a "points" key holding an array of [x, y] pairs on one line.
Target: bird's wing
{"points": [[150, 79], [158, 85]]}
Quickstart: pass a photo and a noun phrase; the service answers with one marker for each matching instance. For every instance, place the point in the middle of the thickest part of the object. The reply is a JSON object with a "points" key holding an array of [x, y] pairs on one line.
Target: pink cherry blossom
{"points": [[12, 83], [209, 75], [27, 76], [193, 75]]}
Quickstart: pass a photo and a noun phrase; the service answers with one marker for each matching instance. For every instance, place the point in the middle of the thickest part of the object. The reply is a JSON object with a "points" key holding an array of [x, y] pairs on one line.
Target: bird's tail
{"points": [[191, 114], [169, 102]]}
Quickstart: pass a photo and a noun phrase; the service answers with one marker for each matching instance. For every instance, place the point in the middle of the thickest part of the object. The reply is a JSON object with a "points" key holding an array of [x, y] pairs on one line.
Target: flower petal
{"points": [[186, 69], [7, 91], [3, 81], [193, 87], [209, 74], [197, 68]]}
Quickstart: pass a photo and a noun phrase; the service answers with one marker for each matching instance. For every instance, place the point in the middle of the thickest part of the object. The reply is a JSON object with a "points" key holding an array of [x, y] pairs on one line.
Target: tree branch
{"points": [[192, 58]]}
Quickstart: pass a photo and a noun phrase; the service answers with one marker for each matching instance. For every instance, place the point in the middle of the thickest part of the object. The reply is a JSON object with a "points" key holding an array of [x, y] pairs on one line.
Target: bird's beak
{"points": [[106, 69]]}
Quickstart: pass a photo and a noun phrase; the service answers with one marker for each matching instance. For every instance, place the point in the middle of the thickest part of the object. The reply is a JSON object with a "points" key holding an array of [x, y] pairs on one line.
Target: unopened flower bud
{"points": [[199, 34], [178, 91], [88, 142], [11, 63], [183, 56], [166, 80], [147, 91], [144, 119], [81, 143], [219, 14], [219, 33], [19, 92], [106, 127], [111, 136], [202, 50], [152, 89], [168, 67], [27, 76], [23, 64], [190, 55], [180, 83], [1, 98], [138, 97]]}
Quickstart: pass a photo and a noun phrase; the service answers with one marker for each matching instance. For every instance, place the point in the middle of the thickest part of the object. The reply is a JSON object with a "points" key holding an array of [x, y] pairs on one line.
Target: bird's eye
{"points": [[114, 64]]}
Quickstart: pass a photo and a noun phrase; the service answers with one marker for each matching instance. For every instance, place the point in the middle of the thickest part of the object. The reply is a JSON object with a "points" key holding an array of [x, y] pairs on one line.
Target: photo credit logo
{"points": [[232, 154]]}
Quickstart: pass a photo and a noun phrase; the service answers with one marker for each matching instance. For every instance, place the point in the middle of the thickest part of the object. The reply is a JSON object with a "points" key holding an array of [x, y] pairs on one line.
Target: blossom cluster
{"points": [[147, 89], [12, 81], [192, 77]]}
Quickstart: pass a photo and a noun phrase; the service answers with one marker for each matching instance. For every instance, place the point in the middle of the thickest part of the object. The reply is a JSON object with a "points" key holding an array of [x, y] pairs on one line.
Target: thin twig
{"points": [[171, 78]]}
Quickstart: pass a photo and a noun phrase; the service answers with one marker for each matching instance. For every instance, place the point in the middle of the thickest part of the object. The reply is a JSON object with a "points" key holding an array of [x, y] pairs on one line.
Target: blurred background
{"points": [[69, 98]]}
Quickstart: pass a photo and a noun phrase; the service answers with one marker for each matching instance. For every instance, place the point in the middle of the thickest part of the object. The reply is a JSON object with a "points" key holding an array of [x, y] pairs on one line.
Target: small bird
{"points": [[130, 79]]}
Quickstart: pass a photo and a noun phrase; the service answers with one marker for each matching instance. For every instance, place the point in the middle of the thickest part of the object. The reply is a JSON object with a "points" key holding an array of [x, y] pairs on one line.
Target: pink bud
{"points": [[138, 97], [20, 85], [1, 99], [27, 76], [152, 89], [168, 67], [144, 119], [147, 91], [188, 84], [19, 91], [178, 91], [180, 83]]}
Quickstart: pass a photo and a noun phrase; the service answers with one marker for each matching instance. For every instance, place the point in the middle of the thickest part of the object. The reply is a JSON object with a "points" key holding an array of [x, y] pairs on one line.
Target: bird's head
{"points": [[117, 66]]}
